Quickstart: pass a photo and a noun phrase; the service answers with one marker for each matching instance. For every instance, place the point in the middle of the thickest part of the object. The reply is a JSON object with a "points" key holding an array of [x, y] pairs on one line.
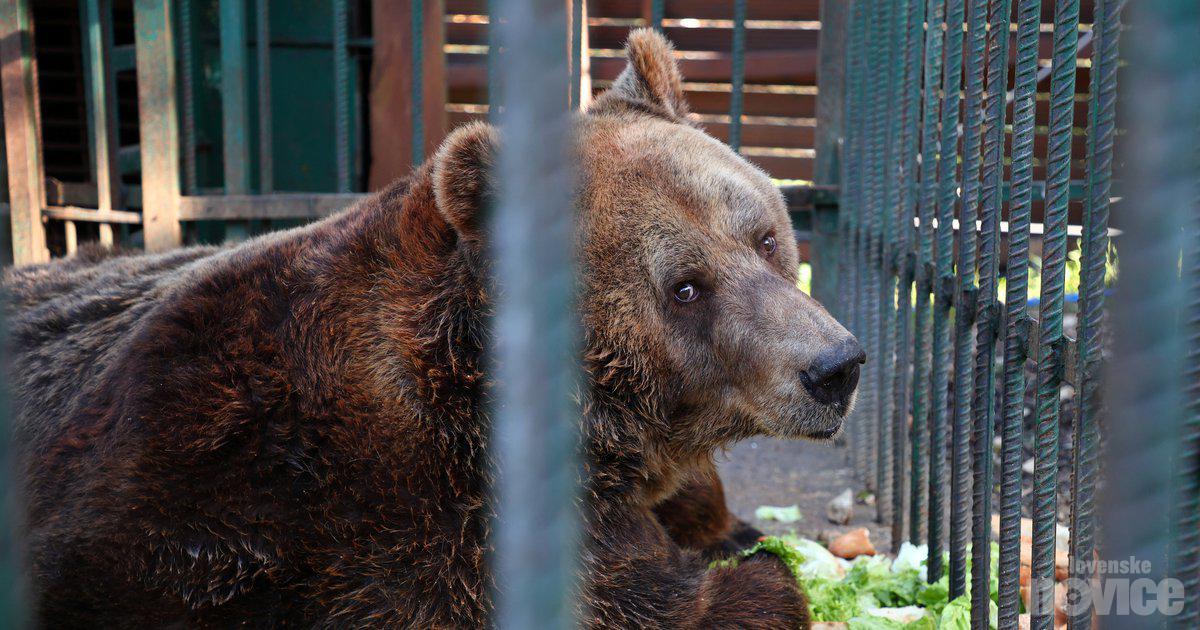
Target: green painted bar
{"points": [[235, 94], [829, 249], [943, 281], [851, 203], [889, 239], [341, 94], [738, 74], [926, 210], [1106, 28], [988, 308], [964, 297], [187, 81], [262, 48], [1017, 322], [910, 99], [101, 90], [1051, 340], [417, 42], [1150, 423]]}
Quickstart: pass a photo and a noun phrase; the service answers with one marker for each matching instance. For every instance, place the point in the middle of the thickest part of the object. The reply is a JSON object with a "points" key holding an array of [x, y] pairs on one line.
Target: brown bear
{"points": [[294, 430]]}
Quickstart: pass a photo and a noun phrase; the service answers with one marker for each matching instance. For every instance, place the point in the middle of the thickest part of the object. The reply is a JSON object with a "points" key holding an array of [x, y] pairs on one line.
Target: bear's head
{"points": [[689, 300]]}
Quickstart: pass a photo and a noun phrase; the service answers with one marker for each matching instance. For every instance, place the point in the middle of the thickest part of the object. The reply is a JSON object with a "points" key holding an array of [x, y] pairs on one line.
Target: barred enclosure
{"points": [[939, 144], [949, 164]]}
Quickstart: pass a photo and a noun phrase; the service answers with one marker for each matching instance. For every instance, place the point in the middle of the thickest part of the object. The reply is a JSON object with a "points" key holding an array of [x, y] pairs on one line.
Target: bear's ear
{"points": [[463, 177], [651, 80]]}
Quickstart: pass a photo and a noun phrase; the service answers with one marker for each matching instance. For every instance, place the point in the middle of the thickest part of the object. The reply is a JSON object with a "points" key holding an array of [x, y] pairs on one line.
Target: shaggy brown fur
{"points": [[294, 431]]}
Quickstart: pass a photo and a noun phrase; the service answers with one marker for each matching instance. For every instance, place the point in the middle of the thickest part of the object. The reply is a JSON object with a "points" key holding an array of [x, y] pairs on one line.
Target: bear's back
{"points": [[67, 323]]}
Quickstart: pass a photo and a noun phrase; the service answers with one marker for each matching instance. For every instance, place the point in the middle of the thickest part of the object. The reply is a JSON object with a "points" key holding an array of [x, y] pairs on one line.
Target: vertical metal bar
{"points": [[875, 148], [910, 99], [738, 79], [266, 161], [1106, 28], [23, 136], [987, 307], [1017, 321], [188, 87], [1051, 343], [1185, 553], [965, 297], [14, 592], [657, 11], [926, 210], [158, 123], [1148, 421], [235, 122], [536, 419], [943, 283], [101, 104], [341, 93], [851, 202], [577, 52], [828, 246], [889, 241], [418, 81]]}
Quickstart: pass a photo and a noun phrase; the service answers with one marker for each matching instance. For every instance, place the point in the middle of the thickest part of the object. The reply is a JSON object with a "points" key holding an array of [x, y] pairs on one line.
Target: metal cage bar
{"points": [[965, 297], [1017, 321], [1052, 343], [926, 210], [943, 287], [535, 437], [1151, 428]]}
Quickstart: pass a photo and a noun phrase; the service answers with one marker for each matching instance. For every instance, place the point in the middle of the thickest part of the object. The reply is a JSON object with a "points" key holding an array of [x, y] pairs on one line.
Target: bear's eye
{"points": [[686, 292], [767, 244]]}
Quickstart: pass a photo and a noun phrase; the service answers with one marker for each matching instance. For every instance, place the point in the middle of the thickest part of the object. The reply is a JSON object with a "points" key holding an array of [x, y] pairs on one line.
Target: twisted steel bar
{"points": [[943, 291], [187, 83], [578, 28], [738, 78], [852, 200], [1051, 342], [889, 173], [876, 139], [910, 99], [341, 94], [988, 309], [964, 299], [417, 88], [926, 210], [262, 49], [1017, 321], [1149, 421], [1106, 28]]}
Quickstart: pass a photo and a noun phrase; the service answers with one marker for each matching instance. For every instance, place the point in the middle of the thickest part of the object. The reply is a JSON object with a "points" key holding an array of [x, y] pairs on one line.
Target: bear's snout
{"points": [[833, 375]]}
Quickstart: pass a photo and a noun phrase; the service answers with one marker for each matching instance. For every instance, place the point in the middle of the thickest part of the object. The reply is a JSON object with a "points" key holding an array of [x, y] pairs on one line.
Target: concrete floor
{"points": [[768, 471]]}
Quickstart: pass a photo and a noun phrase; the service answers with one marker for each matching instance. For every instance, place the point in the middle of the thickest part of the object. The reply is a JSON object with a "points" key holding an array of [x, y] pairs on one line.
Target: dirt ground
{"points": [[767, 471]]}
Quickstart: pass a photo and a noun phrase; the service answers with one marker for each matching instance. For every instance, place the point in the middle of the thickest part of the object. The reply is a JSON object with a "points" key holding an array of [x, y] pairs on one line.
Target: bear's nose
{"points": [[833, 375]]}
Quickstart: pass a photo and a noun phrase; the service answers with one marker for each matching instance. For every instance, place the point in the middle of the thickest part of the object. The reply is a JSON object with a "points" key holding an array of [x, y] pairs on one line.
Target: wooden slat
{"points": [[75, 213], [276, 206], [391, 128], [22, 131], [158, 123], [613, 37]]}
